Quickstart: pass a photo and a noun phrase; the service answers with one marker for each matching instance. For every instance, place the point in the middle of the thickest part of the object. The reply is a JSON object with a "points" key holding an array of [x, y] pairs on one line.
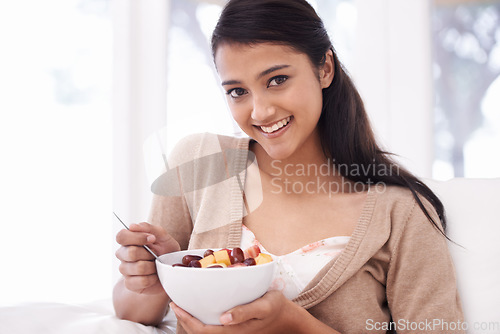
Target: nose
{"points": [[263, 109]]}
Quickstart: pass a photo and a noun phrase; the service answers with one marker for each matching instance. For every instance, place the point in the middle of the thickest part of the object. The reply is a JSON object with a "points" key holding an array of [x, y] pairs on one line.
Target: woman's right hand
{"points": [[137, 264]]}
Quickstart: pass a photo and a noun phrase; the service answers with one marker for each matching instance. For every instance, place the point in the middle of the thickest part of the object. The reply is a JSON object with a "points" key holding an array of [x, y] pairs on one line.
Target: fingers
{"points": [[139, 268], [240, 314], [164, 240], [146, 227], [269, 306], [155, 237], [132, 237], [140, 283], [260, 316], [133, 254], [137, 264], [193, 325]]}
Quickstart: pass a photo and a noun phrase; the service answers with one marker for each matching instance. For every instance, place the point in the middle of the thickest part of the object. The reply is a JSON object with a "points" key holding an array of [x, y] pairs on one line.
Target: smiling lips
{"points": [[276, 126]]}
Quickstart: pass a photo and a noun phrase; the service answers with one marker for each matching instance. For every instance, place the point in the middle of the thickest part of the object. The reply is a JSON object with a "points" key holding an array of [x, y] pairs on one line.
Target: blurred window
{"points": [[55, 137], [466, 44], [195, 100]]}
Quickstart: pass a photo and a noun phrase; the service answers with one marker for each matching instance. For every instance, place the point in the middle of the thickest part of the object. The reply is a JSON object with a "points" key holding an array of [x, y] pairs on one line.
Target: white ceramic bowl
{"points": [[206, 293]]}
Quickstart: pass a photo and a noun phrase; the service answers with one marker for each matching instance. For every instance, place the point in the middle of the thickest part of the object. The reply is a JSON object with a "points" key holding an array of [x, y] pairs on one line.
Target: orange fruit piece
{"points": [[207, 260], [263, 258], [222, 257]]}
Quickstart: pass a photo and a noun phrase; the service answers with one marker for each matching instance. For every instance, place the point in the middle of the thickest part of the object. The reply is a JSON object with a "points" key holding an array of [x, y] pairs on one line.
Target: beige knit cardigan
{"points": [[395, 273]]}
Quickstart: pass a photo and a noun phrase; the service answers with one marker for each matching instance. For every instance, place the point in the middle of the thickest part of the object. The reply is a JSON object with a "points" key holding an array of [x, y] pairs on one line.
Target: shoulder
{"points": [[200, 160], [394, 201], [199, 145], [400, 199], [398, 209], [207, 139]]}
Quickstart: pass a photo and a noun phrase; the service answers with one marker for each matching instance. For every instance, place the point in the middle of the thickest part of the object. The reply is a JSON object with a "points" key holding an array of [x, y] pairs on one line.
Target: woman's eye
{"points": [[276, 81], [236, 92]]}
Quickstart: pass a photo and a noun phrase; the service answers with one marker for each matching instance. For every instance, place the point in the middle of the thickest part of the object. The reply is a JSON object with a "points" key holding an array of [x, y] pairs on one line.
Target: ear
{"points": [[327, 71]]}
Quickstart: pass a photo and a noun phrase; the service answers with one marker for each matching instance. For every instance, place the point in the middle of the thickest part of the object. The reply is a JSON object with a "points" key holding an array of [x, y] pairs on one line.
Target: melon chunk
{"points": [[207, 260], [263, 258], [222, 257]]}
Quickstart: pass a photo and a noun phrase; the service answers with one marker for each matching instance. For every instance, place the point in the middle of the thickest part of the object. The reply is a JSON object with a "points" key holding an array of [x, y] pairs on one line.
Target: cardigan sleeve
{"points": [[421, 284], [172, 214], [169, 207]]}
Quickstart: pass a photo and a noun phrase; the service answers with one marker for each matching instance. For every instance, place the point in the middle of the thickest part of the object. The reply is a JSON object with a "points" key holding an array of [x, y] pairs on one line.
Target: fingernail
{"points": [[226, 318], [151, 238], [172, 306]]}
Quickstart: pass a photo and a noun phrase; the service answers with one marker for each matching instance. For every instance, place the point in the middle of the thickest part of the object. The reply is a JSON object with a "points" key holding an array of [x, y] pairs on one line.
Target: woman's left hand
{"points": [[272, 313]]}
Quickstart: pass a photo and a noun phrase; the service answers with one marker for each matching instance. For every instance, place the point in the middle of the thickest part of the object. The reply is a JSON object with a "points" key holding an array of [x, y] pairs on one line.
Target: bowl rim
{"points": [[211, 269]]}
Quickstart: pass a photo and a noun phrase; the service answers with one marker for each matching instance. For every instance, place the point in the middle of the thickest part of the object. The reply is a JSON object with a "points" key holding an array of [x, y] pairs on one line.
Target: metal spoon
{"points": [[146, 247]]}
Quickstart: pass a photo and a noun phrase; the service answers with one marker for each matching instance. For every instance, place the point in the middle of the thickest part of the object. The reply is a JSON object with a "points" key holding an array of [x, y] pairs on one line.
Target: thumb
{"points": [[146, 229], [267, 306], [157, 237], [140, 227]]}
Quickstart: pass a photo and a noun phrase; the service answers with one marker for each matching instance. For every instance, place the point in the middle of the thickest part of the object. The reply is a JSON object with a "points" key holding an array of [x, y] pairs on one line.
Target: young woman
{"points": [[358, 240]]}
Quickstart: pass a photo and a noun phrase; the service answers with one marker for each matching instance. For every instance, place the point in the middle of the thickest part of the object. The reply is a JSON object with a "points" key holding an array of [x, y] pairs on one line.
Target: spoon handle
{"points": [[146, 247]]}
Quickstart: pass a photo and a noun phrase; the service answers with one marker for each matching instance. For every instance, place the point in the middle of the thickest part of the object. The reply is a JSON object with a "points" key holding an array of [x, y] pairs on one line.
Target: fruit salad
{"points": [[226, 258]]}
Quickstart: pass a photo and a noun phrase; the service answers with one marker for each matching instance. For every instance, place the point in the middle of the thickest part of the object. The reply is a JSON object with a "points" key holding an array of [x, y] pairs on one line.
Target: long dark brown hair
{"points": [[345, 131]]}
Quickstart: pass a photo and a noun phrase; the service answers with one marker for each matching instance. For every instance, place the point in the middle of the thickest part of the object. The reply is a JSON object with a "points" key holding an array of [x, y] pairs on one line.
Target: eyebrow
{"points": [[262, 74]]}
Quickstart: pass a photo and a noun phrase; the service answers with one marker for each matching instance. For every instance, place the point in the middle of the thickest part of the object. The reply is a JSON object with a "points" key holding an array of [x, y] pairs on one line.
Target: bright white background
{"points": [[72, 142], [55, 139]]}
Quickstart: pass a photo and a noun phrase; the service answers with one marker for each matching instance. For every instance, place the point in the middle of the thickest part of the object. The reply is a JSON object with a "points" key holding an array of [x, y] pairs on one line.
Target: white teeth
{"points": [[276, 126]]}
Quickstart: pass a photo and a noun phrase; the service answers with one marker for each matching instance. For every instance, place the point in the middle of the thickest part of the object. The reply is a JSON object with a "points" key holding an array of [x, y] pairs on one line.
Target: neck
{"points": [[303, 164]]}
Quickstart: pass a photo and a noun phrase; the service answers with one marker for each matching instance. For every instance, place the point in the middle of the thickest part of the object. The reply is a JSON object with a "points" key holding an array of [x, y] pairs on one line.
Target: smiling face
{"points": [[275, 95]]}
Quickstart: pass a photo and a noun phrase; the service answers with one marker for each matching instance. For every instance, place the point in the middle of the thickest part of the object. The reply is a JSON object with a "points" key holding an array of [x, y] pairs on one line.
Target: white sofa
{"points": [[474, 224], [471, 206]]}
